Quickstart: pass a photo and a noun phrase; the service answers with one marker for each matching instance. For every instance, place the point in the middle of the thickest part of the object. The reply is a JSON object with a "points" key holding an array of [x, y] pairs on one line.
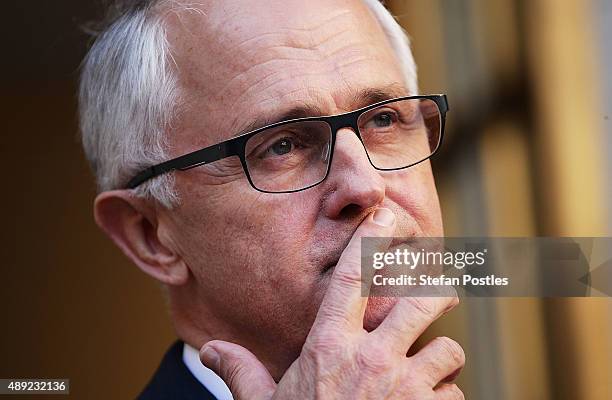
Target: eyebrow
{"points": [[301, 111], [362, 98], [369, 96]]}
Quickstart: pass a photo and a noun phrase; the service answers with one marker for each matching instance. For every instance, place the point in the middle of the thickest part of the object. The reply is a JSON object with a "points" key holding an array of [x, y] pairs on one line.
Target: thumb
{"points": [[242, 372]]}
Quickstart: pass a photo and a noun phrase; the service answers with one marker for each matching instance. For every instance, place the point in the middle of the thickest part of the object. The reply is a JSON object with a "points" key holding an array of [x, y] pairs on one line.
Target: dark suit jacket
{"points": [[173, 380]]}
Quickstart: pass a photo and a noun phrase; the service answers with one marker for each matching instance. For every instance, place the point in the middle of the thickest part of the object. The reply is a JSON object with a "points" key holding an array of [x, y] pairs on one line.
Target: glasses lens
{"points": [[289, 157], [401, 133]]}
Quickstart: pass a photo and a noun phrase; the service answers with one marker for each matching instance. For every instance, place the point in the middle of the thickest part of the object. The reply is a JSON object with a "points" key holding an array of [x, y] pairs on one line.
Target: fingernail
{"points": [[384, 217], [210, 358]]}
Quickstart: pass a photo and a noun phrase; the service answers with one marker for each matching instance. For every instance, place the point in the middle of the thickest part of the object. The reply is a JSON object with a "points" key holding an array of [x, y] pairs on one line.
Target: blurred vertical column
{"points": [[604, 12], [423, 20], [525, 155], [508, 182], [574, 199], [470, 50]]}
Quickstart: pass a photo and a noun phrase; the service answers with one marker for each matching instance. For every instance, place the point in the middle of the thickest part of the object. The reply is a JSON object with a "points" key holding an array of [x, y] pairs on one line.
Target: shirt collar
{"points": [[211, 381]]}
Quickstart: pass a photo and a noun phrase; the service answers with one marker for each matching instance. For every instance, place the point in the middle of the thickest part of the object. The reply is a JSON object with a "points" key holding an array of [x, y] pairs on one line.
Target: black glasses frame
{"points": [[236, 146]]}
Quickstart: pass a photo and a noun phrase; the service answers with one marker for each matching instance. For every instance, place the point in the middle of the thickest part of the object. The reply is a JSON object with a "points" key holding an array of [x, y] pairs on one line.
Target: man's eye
{"points": [[382, 120], [281, 147]]}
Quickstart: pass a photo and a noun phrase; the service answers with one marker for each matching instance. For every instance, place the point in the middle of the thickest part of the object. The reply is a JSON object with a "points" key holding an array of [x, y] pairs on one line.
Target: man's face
{"points": [[261, 262]]}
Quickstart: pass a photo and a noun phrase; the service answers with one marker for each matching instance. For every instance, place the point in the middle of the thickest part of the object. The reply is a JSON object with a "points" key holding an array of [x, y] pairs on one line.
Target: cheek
{"points": [[414, 191], [264, 237], [285, 231]]}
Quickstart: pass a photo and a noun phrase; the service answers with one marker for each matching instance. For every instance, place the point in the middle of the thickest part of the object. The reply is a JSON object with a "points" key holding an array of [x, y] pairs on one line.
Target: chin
{"points": [[377, 310]]}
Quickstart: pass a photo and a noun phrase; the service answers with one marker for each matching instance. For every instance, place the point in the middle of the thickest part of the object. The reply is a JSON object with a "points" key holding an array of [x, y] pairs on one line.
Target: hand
{"points": [[340, 359]]}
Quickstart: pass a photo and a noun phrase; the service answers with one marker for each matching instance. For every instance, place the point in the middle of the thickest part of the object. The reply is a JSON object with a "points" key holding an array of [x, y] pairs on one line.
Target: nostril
{"points": [[351, 211]]}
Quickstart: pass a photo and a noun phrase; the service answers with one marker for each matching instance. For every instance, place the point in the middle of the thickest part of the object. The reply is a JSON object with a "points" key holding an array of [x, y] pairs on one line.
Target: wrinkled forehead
{"points": [[258, 56]]}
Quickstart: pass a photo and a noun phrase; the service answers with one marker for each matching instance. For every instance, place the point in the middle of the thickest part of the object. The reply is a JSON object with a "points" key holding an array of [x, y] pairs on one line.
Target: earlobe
{"points": [[132, 224]]}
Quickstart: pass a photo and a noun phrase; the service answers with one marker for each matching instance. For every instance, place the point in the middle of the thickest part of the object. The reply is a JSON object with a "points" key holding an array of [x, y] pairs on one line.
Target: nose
{"points": [[353, 184]]}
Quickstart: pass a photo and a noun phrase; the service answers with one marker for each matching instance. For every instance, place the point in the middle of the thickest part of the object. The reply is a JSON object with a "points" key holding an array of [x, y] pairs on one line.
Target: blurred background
{"points": [[526, 153]]}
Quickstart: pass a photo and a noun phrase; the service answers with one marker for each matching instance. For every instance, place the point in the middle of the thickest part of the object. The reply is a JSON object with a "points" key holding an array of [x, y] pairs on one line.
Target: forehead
{"points": [[237, 62]]}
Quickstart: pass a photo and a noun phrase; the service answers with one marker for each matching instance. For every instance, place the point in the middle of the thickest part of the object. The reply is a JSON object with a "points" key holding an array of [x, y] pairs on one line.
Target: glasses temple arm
{"points": [[184, 162]]}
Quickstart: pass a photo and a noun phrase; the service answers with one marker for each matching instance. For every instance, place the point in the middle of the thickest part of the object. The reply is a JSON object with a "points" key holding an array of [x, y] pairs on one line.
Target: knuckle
{"points": [[367, 259], [453, 300], [235, 373], [373, 359], [349, 275], [320, 345], [372, 243], [412, 376], [423, 305], [452, 349], [448, 297], [331, 316]]}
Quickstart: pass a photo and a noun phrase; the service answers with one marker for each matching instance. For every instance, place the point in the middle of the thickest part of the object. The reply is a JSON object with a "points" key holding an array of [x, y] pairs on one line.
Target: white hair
{"points": [[127, 96], [129, 93], [399, 41]]}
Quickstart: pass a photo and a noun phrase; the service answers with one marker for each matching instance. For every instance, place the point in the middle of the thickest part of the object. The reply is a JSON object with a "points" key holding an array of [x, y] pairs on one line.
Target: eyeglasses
{"points": [[294, 155]]}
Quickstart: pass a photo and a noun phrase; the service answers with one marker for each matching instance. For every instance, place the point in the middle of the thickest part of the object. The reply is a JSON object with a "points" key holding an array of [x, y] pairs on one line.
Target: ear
{"points": [[132, 224]]}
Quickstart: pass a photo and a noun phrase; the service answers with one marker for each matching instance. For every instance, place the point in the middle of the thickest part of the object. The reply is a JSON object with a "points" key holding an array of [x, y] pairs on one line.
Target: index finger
{"points": [[344, 302]]}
